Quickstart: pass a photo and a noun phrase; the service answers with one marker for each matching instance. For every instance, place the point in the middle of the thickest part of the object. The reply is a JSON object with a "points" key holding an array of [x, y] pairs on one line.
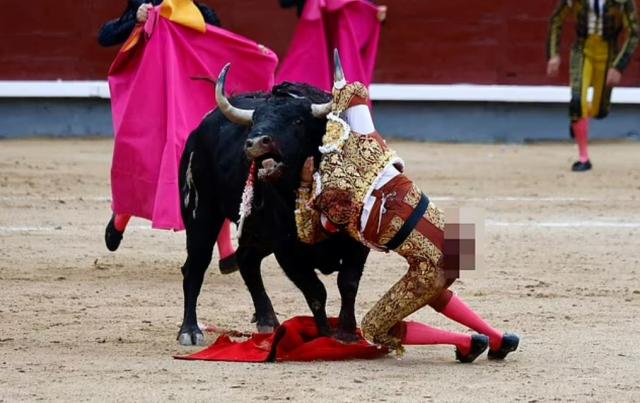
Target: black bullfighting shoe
{"points": [[581, 166], [479, 343], [509, 344], [228, 264], [112, 236]]}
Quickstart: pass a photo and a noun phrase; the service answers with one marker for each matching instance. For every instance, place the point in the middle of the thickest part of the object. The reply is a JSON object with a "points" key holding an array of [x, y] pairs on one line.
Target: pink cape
{"points": [[155, 106], [296, 339], [351, 26]]}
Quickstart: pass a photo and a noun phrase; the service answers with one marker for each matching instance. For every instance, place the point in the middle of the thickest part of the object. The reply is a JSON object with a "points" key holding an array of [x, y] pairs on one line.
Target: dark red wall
{"points": [[423, 41]]}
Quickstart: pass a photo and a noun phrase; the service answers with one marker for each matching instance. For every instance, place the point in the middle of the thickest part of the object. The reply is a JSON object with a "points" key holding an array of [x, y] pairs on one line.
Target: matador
{"points": [[360, 188]]}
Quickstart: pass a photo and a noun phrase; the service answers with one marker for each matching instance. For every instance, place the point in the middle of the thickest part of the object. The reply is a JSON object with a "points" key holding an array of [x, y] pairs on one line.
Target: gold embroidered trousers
{"points": [[423, 249]]}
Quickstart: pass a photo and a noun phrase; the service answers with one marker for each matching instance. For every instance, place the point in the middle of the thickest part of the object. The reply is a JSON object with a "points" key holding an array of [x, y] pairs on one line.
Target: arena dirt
{"points": [[562, 270]]}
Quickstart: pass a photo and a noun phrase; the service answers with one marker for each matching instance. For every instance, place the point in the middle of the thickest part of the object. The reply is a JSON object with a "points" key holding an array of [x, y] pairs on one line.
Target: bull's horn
{"points": [[238, 116], [321, 110], [339, 80]]}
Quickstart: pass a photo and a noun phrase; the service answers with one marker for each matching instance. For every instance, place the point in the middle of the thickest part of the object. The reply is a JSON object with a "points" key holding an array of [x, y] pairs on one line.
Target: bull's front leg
{"points": [[354, 256], [249, 260], [305, 278], [348, 283]]}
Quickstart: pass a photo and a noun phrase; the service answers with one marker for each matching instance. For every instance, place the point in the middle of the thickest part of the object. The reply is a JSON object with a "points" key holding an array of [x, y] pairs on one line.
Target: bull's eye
{"points": [[298, 122]]}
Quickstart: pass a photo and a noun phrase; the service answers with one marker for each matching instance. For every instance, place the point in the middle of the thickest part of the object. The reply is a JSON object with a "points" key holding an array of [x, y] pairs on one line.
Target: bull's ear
{"points": [[317, 110], [295, 96], [292, 94], [300, 90], [287, 89]]}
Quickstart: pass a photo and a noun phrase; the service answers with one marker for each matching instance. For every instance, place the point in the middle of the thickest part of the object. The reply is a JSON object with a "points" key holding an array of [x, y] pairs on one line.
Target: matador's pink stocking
{"points": [[580, 130], [457, 310], [420, 334], [120, 221]]}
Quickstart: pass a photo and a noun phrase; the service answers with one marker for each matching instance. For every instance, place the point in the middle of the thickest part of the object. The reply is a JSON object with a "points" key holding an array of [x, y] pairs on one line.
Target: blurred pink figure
{"points": [[156, 105], [351, 26]]}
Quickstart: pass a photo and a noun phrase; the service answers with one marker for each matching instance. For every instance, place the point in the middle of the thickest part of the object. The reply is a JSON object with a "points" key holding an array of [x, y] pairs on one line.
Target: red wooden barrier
{"points": [[423, 41]]}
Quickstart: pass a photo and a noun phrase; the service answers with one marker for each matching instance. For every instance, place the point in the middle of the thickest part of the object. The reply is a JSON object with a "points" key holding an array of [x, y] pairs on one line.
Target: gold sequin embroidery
{"points": [[342, 97]]}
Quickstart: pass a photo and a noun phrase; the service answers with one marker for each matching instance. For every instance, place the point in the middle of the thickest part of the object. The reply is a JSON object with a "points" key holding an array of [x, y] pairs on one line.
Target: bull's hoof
{"points": [[112, 236], [228, 264], [191, 336], [267, 325], [326, 332], [346, 337], [265, 328]]}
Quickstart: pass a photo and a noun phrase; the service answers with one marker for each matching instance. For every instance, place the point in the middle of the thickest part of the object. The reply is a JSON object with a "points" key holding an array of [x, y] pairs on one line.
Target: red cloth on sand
{"points": [[295, 340]]}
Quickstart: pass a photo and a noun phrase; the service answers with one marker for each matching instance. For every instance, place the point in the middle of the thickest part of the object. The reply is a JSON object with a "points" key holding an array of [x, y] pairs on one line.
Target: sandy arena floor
{"points": [[562, 269]]}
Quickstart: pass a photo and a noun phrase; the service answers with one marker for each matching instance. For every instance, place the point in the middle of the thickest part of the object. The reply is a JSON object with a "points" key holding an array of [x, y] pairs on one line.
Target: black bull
{"points": [[213, 171]]}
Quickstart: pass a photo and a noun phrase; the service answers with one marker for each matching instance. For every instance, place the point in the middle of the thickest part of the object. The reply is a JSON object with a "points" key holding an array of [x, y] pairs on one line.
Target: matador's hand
{"points": [[142, 15], [553, 65], [613, 77], [306, 175], [382, 13]]}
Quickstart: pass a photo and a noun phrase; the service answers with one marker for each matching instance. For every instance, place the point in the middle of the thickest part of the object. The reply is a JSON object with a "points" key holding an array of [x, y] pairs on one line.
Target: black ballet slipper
{"points": [[509, 344], [112, 237], [479, 344], [581, 166]]}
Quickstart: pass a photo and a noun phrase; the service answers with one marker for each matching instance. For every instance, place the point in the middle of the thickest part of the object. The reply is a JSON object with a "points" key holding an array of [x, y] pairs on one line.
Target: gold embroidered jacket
{"points": [[349, 166], [617, 16]]}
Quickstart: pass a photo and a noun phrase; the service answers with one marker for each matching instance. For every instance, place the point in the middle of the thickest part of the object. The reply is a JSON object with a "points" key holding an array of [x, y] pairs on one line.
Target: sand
{"points": [[562, 269]]}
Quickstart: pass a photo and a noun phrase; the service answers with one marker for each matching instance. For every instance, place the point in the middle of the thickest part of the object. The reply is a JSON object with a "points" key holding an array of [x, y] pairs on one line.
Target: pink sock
{"points": [[457, 310], [121, 221], [420, 334], [225, 247], [581, 134]]}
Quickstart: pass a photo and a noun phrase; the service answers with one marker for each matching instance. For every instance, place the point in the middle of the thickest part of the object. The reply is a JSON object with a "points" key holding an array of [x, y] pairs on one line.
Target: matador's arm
{"points": [[308, 222], [630, 18], [556, 23]]}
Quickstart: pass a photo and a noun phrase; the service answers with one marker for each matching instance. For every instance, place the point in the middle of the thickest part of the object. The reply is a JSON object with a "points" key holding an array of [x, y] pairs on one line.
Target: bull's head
{"points": [[284, 130]]}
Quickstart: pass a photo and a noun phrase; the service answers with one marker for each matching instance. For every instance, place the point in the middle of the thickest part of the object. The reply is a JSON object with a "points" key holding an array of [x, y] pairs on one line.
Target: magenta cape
{"points": [[297, 339], [155, 106], [351, 26]]}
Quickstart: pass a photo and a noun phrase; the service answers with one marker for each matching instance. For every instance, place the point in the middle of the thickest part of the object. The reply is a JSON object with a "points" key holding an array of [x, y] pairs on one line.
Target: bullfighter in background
{"points": [[596, 59], [360, 189], [156, 104], [116, 32], [351, 26]]}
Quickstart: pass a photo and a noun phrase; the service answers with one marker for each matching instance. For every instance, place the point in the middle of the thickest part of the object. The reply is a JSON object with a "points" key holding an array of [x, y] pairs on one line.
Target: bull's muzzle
{"points": [[258, 146]]}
